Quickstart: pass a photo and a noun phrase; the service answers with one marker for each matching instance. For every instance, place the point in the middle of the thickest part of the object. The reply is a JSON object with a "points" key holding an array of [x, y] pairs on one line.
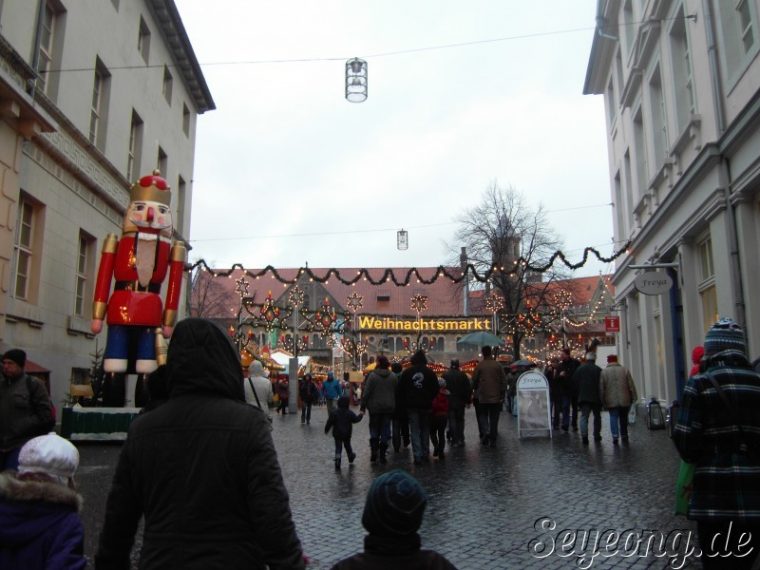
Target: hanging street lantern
{"points": [[356, 80], [402, 240]]}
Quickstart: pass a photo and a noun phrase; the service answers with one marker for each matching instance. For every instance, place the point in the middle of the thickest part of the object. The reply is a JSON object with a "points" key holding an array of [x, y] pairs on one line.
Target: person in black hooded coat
{"points": [[203, 471]]}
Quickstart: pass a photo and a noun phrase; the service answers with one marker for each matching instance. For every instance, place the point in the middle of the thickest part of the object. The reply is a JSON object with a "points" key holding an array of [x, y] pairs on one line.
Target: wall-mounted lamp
{"points": [[356, 80]]}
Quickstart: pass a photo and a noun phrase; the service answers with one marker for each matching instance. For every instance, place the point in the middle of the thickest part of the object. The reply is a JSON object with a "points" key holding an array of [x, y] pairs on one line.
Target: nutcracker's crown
{"points": [[151, 188]]}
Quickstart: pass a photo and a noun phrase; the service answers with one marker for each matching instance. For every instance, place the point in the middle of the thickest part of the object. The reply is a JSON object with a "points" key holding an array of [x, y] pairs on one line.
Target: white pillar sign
{"points": [[533, 410]]}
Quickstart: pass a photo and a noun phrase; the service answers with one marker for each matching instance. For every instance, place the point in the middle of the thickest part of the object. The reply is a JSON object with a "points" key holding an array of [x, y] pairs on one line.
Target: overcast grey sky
{"points": [[287, 171]]}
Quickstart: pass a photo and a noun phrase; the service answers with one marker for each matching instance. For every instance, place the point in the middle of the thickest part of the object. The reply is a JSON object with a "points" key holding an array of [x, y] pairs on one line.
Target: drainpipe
{"points": [[725, 166], [466, 288]]}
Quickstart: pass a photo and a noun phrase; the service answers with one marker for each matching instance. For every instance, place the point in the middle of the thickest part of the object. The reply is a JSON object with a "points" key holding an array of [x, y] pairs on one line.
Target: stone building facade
{"points": [[94, 93], [681, 85]]}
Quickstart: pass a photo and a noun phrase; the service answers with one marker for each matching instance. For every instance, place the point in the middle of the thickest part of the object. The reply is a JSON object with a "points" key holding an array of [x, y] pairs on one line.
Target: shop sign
{"points": [[375, 323], [612, 324], [653, 283]]}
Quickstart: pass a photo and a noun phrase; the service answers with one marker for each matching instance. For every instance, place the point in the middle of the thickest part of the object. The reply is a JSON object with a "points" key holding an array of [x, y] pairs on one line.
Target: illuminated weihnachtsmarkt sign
{"points": [[376, 323]]}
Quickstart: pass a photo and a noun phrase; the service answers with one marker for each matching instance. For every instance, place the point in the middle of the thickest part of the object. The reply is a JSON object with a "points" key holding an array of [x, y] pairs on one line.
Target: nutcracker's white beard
{"points": [[145, 257]]}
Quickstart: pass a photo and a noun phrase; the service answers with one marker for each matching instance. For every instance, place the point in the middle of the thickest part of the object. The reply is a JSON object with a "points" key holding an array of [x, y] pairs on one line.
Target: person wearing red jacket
{"points": [[138, 262], [439, 418]]}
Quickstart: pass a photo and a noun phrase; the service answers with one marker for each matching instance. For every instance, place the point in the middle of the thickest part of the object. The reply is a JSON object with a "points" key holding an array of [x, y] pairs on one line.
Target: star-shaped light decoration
{"points": [[494, 303], [419, 303], [354, 302], [241, 287]]}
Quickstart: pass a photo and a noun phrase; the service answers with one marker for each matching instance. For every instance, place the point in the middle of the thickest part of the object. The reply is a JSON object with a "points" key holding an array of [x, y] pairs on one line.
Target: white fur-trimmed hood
{"points": [[15, 489]]}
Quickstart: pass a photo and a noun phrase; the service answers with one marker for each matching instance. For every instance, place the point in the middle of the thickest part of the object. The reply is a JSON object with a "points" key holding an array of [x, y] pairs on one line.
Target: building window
{"points": [[628, 28], [611, 102], [707, 292], [745, 25], [47, 53], [682, 72], [639, 142], [80, 375], [619, 212], [166, 88], [628, 189], [84, 272], [135, 146], [143, 40], [162, 162], [659, 119], [179, 222], [27, 248], [185, 120], [99, 105], [737, 26]]}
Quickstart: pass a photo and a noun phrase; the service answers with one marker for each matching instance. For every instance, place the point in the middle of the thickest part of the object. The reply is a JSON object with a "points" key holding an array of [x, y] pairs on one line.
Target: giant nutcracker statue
{"points": [[138, 263]]}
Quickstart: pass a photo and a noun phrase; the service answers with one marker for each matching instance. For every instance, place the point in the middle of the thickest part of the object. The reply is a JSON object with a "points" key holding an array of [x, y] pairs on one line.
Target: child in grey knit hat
{"points": [[392, 516]]}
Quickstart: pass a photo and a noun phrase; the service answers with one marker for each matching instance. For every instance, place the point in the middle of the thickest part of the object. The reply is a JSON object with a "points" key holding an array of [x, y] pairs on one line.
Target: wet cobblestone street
{"points": [[486, 505]]}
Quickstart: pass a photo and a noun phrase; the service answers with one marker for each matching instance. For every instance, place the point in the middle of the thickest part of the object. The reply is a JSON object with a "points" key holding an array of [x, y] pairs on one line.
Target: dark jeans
{"points": [[714, 536], [306, 412], [566, 402], [419, 428], [619, 421], [9, 459], [340, 444], [438, 432], [379, 429], [283, 407], [400, 424], [488, 417], [586, 410], [482, 428], [456, 424], [574, 411]]}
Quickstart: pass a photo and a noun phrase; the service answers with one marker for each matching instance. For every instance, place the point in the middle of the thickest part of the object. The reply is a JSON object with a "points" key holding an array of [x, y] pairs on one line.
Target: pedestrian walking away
{"points": [[341, 423], [201, 470], [258, 387], [618, 392], [417, 388], [400, 421], [379, 398], [309, 395], [568, 390], [588, 378], [439, 420], [460, 393], [25, 408], [490, 384], [718, 430]]}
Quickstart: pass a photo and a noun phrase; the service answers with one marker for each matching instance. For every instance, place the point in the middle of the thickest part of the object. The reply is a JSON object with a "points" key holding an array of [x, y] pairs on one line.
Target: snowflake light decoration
{"points": [[296, 297]]}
